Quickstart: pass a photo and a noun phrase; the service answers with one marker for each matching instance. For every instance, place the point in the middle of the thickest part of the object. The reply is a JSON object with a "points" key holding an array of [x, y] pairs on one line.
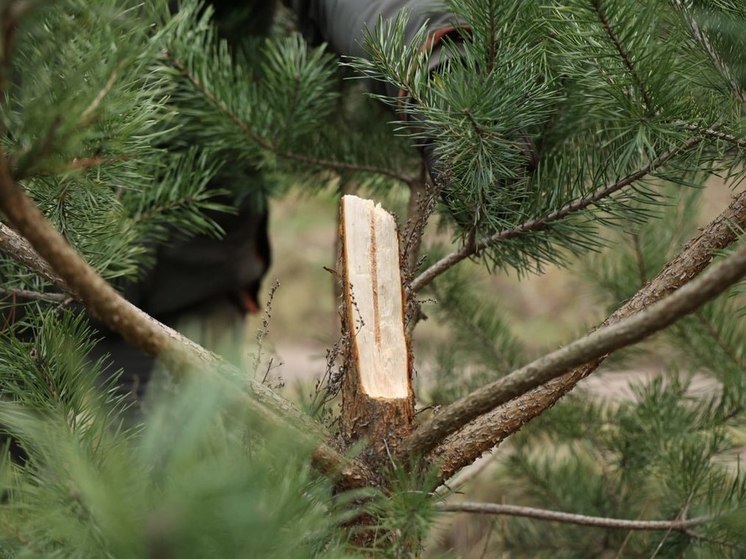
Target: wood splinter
{"points": [[377, 396]]}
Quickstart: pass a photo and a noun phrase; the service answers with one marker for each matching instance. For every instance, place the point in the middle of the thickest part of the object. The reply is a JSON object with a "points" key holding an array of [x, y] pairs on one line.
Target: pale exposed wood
{"points": [[372, 271], [377, 393]]}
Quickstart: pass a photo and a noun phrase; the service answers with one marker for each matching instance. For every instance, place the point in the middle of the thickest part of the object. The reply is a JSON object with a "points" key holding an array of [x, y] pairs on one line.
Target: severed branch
{"points": [[465, 446], [570, 518], [48, 253], [596, 345], [545, 222], [377, 394]]}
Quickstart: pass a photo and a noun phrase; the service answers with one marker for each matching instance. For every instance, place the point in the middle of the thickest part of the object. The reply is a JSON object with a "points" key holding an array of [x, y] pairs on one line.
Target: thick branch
{"points": [[465, 446], [569, 518], [18, 248], [65, 267], [81, 280], [593, 346], [545, 222]]}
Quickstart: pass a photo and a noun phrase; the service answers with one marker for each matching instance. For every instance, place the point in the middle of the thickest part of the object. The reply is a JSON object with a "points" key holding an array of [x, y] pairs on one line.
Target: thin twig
{"points": [[83, 163], [466, 475], [715, 541], [714, 332], [592, 346], [624, 55], [713, 133], [545, 222], [682, 513], [640, 258], [570, 518], [420, 207], [94, 105]]}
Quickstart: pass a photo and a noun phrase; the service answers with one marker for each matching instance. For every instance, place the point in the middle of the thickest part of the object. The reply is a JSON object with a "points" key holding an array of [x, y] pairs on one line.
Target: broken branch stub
{"points": [[377, 396]]}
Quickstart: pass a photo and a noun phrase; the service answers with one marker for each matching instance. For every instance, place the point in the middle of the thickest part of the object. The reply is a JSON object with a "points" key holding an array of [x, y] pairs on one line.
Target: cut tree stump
{"points": [[377, 396]]}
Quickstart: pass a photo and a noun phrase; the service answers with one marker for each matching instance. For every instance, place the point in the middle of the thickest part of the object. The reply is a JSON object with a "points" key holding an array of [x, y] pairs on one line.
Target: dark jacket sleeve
{"points": [[342, 23]]}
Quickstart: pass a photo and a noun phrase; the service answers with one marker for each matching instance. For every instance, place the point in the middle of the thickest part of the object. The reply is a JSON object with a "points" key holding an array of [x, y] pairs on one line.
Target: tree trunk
{"points": [[377, 395]]}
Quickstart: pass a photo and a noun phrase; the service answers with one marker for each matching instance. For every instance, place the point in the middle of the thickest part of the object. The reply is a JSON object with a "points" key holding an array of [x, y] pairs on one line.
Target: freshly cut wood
{"points": [[378, 402]]}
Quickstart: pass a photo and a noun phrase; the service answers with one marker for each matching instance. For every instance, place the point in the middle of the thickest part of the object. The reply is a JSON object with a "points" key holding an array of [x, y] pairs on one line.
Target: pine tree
{"points": [[554, 132]]}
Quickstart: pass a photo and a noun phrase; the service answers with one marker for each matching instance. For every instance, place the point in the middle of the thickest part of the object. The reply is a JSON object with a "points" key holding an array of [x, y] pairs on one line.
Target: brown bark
{"points": [[377, 395], [465, 446]]}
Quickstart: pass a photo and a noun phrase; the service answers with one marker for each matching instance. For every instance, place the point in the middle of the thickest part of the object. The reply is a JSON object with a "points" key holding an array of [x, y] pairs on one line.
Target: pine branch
{"points": [[596, 345], [50, 254], [465, 446], [38, 245], [570, 518], [624, 55], [60, 298], [81, 280], [713, 133], [545, 222], [684, 6], [714, 332], [267, 145]]}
